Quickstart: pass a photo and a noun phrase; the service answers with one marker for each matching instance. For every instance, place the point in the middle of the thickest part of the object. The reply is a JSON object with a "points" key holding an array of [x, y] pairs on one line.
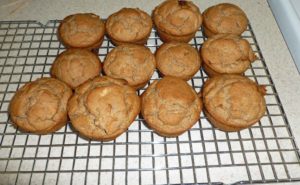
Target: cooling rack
{"points": [[263, 153]]}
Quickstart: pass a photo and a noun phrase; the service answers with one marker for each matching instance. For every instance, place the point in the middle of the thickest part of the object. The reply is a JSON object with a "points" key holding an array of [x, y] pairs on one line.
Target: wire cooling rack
{"points": [[264, 153]]}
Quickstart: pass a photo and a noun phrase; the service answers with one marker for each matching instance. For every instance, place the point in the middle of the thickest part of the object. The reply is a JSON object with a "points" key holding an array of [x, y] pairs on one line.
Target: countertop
{"points": [[274, 50]]}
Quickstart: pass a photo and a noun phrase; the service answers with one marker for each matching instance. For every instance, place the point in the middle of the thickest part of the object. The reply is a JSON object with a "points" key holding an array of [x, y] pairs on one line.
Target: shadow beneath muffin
{"points": [[142, 120], [77, 133]]}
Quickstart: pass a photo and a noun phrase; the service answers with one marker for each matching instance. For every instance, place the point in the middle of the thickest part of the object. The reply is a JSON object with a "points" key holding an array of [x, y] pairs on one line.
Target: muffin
{"points": [[76, 66], [82, 30], [133, 63], [103, 108], [177, 59], [40, 106], [170, 106], [224, 18], [129, 25], [233, 102], [177, 20], [226, 54]]}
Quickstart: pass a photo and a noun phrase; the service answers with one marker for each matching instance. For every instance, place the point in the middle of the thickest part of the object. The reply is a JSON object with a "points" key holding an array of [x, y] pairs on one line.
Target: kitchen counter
{"points": [[273, 47]]}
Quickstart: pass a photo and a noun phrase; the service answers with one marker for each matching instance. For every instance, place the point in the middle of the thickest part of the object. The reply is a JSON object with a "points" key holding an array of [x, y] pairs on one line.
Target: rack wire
{"points": [[264, 153]]}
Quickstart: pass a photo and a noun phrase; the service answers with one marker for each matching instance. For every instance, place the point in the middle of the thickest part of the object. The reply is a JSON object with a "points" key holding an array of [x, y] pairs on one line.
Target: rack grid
{"points": [[264, 153]]}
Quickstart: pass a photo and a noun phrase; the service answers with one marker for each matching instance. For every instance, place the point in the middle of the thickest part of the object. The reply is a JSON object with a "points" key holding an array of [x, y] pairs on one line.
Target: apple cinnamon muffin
{"points": [[76, 66], [224, 18], [170, 106], [226, 54], [177, 59], [129, 25], [40, 106], [177, 20], [133, 63], [233, 102], [103, 108], [82, 30]]}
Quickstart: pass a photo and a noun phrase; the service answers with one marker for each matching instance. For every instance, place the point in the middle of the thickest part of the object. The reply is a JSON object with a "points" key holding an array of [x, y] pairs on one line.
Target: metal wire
{"points": [[264, 153]]}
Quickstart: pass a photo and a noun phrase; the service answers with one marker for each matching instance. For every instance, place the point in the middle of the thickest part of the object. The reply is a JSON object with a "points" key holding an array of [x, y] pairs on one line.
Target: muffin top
{"points": [[129, 25], [177, 17], [103, 108], [224, 18], [133, 63], [40, 106], [177, 59], [75, 66], [81, 30], [226, 53], [234, 100], [170, 106]]}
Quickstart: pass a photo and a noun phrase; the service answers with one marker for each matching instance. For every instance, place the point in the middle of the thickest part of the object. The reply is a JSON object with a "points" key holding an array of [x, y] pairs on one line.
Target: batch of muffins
{"points": [[103, 106]]}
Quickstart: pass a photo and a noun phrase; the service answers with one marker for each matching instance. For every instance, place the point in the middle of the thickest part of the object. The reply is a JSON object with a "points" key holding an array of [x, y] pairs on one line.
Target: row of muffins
{"points": [[174, 20], [221, 54], [104, 107]]}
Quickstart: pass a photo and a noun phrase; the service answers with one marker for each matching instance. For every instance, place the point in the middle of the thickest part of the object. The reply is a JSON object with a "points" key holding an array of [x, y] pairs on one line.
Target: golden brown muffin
{"points": [[224, 18], [177, 59], [226, 54], [233, 102], [133, 63], [82, 30], [40, 106], [76, 66], [129, 25], [103, 108], [177, 20], [170, 106]]}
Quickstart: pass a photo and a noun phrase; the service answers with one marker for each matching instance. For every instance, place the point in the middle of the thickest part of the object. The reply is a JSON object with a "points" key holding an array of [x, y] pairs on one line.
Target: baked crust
{"points": [[177, 21], [224, 18], [103, 108], [233, 102], [129, 25], [178, 59], [82, 30], [40, 106], [76, 66], [226, 54], [133, 63], [165, 37], [170, 106]]}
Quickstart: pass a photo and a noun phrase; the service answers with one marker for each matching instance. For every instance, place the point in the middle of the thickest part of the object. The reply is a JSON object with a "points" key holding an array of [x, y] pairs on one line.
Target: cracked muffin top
{"points": [[233, 102], [40, 106], [133, 63], [224, 18], [170, 106], [82, 30], [178, 59], [226, 54], [103, 108], [75, 66], [129, 25], [177, 17]]}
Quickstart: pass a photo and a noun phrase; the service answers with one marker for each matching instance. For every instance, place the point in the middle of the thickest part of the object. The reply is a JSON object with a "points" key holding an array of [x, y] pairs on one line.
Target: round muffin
{"points": [[177, 20], [82, 30], [76, 66], [40, 106], [129, 25], [103, 108], [224, 18], [233, 102], [177, 59], [170, 106], [226, 54], [133, 63]]}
